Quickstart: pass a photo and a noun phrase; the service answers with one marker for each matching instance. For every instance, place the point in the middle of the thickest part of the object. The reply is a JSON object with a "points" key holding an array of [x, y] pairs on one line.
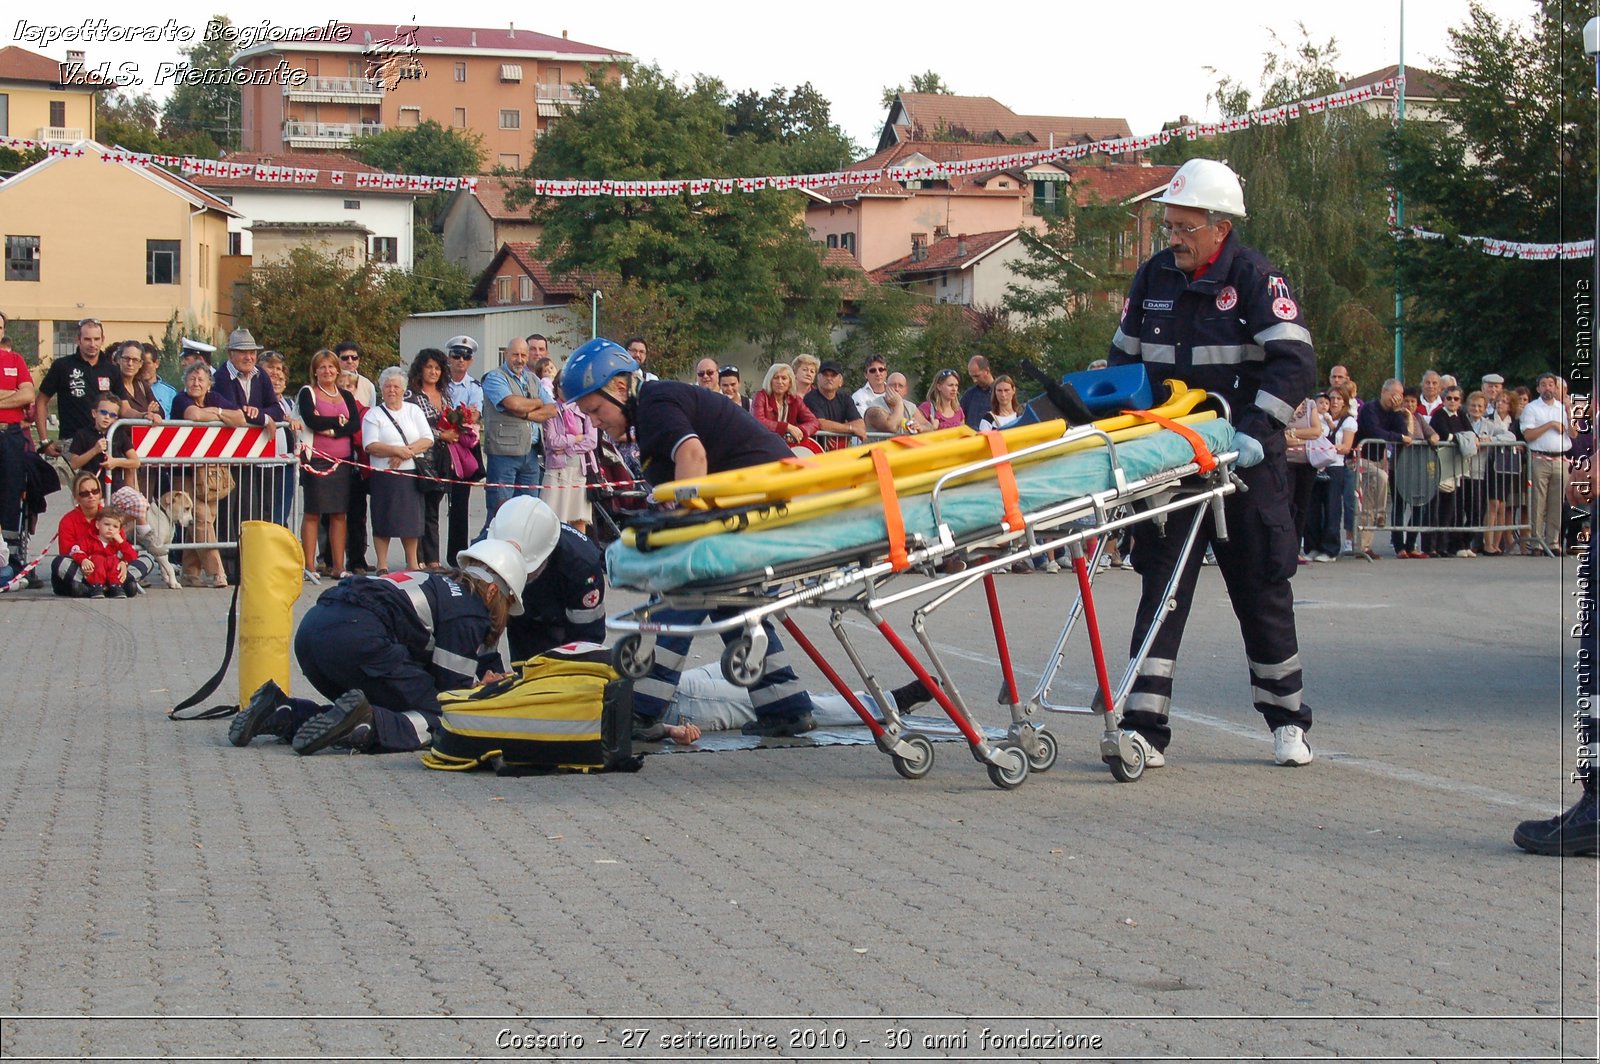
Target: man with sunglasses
{"points": [[705, 373], [1217, 315], [75, 382], [877, 371], [348, 352], [462, 392]]}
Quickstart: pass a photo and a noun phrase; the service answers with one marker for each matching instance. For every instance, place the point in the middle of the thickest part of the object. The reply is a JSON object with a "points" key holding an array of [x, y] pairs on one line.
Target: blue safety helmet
{"points": [[591, 366]]}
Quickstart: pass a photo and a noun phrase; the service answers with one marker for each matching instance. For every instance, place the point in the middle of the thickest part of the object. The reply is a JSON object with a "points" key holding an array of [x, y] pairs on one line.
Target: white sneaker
{"points": [[1127, 563], [1052, 566], [1465, 553], [1153, 758], [1105, 561], [1289, 746], [1321, 557]]}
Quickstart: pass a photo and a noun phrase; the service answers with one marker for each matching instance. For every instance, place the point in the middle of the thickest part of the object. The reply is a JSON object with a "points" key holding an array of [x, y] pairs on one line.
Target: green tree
{"points": [[797, 124], [735, 265], [1317, 210], [1069, 286], [207, 112], [134, 121], [434, 283], [928, 81], [15, 160], [1517, 164], [309, 300], [427, 148]]}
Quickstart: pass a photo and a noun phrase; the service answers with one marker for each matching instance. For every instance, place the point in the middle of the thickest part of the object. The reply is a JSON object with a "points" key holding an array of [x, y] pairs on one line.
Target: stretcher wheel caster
{"points": [[1045, 759], [627, 658], [740, 663], [1011, 771], [1130, 768], [920, 761]]}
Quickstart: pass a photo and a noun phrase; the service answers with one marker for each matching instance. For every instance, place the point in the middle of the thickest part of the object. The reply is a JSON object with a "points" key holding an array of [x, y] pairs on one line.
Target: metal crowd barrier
{"points": [[1435, 492], [231, 474]]}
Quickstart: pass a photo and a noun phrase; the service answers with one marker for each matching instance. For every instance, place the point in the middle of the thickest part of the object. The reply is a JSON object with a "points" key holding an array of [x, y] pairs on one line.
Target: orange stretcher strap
{"points": [[1007, 478], [893, 520], [1202, 454]]}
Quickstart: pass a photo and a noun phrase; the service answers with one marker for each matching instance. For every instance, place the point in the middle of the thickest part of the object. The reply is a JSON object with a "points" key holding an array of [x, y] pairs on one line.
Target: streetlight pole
{"points": [[1400, 204], [594, 314]]}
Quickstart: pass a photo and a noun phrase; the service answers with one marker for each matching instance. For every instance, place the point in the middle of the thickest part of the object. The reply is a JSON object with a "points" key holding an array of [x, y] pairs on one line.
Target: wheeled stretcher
{"points": [[1069, 492]]}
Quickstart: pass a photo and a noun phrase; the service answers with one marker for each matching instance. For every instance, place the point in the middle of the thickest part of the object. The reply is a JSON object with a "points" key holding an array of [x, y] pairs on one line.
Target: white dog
{"points": [[173, 510]]}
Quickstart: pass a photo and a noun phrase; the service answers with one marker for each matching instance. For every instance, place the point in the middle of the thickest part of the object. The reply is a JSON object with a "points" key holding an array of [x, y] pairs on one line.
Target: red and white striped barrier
{"points": [[194, 441]]}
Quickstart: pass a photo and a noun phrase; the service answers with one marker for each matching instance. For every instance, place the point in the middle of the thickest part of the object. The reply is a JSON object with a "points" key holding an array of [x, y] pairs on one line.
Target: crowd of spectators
{"points": [[1446, 471]]}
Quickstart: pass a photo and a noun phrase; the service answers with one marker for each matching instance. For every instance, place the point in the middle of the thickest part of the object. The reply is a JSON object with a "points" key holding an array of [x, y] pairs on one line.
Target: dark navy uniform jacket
{"points": [[440, 622], [566, 602], [1236, 331]]}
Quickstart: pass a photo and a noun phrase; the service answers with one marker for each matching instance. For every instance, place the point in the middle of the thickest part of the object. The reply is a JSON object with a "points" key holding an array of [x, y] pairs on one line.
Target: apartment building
{"points": [[507, 85], [45, 100]]}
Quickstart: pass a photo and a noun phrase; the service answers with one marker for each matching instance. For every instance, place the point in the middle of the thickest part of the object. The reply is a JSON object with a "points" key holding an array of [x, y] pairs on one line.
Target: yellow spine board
{"points": [[907, 455], [808, 509]]}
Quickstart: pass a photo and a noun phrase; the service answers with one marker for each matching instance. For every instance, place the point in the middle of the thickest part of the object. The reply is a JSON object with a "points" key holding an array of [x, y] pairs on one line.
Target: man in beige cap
{"points": [[239, 385], [1493, 385]]}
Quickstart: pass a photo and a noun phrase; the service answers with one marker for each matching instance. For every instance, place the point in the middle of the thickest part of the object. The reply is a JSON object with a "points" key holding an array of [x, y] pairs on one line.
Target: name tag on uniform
{"points": [[1158, 304]]}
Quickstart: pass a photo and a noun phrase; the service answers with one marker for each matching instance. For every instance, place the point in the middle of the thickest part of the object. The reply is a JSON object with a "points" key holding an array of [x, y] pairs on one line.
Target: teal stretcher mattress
{"points": [[968, 511]]}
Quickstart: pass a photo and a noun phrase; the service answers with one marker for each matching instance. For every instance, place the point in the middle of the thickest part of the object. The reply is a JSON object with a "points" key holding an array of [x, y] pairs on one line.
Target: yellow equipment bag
{"points": [[565, 711]]}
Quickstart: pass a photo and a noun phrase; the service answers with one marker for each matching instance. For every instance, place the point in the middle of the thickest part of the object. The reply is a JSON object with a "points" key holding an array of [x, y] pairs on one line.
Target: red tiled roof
{"points": [[1116, 182], [19, 64], [443, 39], [984, 116], [1420, 83], [326, 163], [492, 192], [937, 151], [526, 256], [945, 254]]}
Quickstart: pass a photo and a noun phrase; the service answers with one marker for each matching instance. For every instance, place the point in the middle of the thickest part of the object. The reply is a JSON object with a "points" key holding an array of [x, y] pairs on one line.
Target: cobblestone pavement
{"points": [[162, 894]]}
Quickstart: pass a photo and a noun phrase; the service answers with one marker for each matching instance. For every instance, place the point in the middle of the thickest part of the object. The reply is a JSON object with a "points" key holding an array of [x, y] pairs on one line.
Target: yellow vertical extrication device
{"points": [[564, 711], [269, 583]]}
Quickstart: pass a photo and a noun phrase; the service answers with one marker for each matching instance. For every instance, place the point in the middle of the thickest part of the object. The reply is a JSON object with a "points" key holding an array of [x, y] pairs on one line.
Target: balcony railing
{"points": [[60, 133], [342, 132], [570, 95], [316, 87]]}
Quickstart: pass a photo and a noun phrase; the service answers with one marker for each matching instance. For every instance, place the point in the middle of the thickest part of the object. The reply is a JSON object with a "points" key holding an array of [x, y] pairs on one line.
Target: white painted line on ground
{"points": [[1029, 677]]}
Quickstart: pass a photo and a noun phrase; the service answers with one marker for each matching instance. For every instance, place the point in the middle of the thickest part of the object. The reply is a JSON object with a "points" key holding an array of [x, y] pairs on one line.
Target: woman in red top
{"points": [[79, 541], [779, 409]]}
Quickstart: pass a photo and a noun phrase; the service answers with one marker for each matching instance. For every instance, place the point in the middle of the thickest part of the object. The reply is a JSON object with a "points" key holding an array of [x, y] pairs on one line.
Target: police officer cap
{"points": [[198, 345], [497, 562], [529, 525], [462, 343]]}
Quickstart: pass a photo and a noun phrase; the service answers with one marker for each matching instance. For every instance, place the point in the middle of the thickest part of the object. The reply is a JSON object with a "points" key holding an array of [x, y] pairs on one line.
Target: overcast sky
{"points": [[1144, 61]]}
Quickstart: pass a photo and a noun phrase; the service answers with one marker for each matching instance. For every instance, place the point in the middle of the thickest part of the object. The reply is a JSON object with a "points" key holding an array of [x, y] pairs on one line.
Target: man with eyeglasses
{"points": [[463, 393], [1217, 315], [705, 373], [877, 371], [74, 383]]}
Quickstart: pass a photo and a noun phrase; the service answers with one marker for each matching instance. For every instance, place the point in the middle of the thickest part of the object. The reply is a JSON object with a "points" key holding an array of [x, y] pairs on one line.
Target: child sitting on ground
{"points": [[105, 567]]}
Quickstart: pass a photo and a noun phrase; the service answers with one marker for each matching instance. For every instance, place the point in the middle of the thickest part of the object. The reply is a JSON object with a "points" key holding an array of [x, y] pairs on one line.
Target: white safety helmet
{"points": [[499, 563], [1206, 185], [529, 525]]}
